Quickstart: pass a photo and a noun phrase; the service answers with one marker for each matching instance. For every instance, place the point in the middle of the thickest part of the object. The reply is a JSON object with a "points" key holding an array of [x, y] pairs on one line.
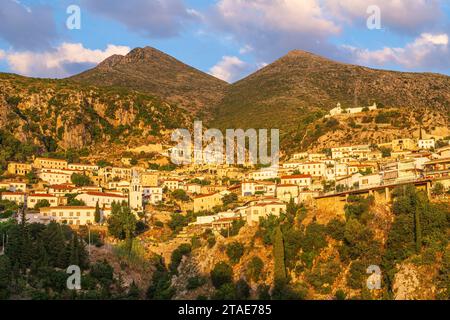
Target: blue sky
{"points": [[227, 38]]}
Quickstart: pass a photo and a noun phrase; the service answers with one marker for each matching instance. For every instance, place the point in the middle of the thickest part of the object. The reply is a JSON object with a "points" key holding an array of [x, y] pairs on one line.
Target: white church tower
{"points": [[136, 201]]}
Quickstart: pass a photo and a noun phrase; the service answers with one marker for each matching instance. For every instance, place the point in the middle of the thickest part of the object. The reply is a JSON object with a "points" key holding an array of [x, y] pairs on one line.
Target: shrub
{"points": [[242, 290], [235, 251], [255, 268], [221, 274], [177, 256], [195, 282]]}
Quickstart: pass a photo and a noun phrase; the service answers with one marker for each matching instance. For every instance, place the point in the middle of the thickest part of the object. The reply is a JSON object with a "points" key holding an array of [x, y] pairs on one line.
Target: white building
{"points": [[250, 188], [78, 216], [369, 181], [263, 174], [287, 192], [14, 186], [35, 198], [16, 197], [103, 199], [152, 195], [301, 180], [427, 144]]}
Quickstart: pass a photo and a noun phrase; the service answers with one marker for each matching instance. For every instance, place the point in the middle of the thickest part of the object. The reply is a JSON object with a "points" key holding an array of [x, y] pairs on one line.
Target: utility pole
{"points": [[89, 240]]}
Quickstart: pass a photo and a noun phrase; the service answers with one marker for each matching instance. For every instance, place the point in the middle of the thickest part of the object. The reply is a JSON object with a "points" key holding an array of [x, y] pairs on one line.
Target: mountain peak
{"points": [[154, 72]]}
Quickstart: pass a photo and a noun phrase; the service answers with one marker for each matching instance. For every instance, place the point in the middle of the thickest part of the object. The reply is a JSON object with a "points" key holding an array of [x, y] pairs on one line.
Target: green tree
{"points": [[255, 268], [81, 180], [221, 274], [5, 277], [235, 251], [42, 204], [122, 224], [278, 254], [438, 189], [97, 215], [177, 256]]}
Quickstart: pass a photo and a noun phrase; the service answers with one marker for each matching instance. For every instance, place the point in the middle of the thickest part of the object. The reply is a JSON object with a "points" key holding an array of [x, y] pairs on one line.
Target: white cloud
{"points": [[428, 51], [406, 16], [246, 49], [2, 54], [229, 68], [273, 27], [63, 61], [149, 18]]}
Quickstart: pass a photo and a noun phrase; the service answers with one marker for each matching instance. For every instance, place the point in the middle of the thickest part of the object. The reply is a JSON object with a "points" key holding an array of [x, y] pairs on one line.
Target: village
{"points": [[218, 195]]}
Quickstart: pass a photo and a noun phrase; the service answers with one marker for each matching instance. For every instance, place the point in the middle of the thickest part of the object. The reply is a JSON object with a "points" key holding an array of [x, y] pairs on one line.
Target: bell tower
{"points": [[135, 194]]}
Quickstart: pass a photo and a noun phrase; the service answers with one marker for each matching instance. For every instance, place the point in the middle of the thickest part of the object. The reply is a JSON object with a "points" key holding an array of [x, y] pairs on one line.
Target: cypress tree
{"points": [[97, 213], [278, 254]]}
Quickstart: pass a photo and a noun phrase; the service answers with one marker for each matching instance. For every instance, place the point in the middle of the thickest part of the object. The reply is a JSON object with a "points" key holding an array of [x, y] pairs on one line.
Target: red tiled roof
{"points": [[297, 176], [7, 193], [104, 194], [42, 195]]}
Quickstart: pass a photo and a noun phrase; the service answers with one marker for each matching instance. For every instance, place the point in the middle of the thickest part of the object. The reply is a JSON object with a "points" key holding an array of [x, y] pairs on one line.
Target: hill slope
{"points": [[299, 88], [56, 115], [154, 72]]}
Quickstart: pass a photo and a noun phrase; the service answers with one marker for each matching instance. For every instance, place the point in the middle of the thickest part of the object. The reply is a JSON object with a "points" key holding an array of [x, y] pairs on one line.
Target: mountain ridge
{"points": [[154, 72]]}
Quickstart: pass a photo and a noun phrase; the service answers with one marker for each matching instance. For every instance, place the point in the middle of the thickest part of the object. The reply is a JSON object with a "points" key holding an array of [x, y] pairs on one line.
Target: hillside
{"points": [[154, 72], [55, 115], [300, 88]]}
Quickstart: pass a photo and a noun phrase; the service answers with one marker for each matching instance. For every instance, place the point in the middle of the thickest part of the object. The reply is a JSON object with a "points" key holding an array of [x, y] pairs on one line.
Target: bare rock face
{"points": [[54, 113], [413, 283]]}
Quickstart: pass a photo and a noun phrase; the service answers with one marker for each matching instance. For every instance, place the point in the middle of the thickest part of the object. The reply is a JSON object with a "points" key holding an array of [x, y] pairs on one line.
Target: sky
{"points": [[227, 38]]}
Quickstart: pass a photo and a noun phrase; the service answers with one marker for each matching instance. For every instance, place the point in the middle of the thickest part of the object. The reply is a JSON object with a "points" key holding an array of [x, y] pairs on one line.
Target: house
{"points": [[437, 168], [207, 202], [426, 144], [20, 169], [152, 195], [403, 144], [262, 209], [369, 181], [16, 197], [150, 179], [122, 186], [114, 173], [299, 156], [286, 192], [356, 151], [78, 216], [102, 198], [61, 189], [250, 188], [301, 180], [83, 167], [444, 152], [55, 177], [35, 198], [314, 169], [50, 163], [219, 221], [193, 188], [14, 186], [172, 184], [263, 174]]}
